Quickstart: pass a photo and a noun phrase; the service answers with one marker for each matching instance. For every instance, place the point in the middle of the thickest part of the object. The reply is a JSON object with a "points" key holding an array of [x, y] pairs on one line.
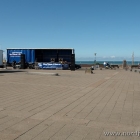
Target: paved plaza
{"points": [[72, 106]]}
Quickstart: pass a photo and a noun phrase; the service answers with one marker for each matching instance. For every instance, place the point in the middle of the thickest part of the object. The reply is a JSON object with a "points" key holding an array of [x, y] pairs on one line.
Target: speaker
{"points": [[60, 59], [52, 59], [72, 62], [22, 60], [72, 58], [36, 60]]}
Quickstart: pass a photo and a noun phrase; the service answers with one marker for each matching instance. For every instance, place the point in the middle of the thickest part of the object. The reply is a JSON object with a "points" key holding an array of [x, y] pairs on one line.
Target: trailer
{"points": [[40, 55], [1, 58]]}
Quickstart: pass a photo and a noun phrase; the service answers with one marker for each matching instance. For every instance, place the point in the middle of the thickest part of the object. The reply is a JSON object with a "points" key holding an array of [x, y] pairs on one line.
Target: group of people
{"points": [[14, 64], [107, 65]]}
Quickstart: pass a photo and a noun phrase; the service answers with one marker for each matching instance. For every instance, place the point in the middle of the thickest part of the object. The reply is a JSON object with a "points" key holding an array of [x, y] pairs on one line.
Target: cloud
{"points": [[112, 57], [107, 58]]}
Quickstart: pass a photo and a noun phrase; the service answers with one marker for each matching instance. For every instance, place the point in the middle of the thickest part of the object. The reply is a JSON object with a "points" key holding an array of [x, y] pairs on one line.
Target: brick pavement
{"points": [[72, 106]]}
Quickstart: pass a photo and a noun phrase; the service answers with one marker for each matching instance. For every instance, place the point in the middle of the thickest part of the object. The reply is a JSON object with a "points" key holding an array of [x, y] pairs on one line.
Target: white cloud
{"points": [[107, 58], [112, 56]]}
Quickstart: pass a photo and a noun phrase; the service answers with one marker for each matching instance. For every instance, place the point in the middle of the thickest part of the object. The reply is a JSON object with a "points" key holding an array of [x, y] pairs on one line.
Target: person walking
{"points": [[92, 68]]}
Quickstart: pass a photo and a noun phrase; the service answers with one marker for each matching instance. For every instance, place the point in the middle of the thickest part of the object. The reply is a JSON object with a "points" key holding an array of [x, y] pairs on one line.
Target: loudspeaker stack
{"points": [[72, 62], [22, 58]]}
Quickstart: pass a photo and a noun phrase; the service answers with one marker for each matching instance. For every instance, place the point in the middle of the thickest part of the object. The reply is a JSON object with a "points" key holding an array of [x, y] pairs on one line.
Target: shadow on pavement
{"points": [[10, 71]]}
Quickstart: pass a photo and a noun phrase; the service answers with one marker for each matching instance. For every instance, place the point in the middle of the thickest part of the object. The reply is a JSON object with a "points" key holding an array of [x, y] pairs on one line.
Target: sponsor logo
{"points": [[15, 53]]}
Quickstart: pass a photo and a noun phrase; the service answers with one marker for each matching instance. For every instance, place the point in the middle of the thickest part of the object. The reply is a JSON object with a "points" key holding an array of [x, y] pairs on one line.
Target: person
{"points": [[108, 65], [14, 64], [104, 64], [138, 65], [92, 68]]}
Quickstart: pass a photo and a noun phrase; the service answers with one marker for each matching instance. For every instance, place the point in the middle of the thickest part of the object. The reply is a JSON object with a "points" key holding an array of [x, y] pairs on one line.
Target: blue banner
{"points": [[52, 66], [14, 55]]}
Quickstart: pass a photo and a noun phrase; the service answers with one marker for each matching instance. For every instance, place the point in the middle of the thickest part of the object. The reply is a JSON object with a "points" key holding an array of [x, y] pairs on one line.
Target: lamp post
{"points": [[95, 59]]}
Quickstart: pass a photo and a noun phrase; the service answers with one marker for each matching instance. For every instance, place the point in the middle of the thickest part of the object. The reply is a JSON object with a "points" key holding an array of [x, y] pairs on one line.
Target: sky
{"points": [[110, 28]]}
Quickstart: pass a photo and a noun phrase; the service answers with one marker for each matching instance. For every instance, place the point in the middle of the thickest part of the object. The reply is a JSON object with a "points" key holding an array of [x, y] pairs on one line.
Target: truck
{"points": [[43, 56], [1, 58]]}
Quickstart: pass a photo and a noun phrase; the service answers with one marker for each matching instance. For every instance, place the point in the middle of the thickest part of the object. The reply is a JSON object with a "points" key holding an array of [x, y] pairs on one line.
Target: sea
{"points": [[110, 62]]}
